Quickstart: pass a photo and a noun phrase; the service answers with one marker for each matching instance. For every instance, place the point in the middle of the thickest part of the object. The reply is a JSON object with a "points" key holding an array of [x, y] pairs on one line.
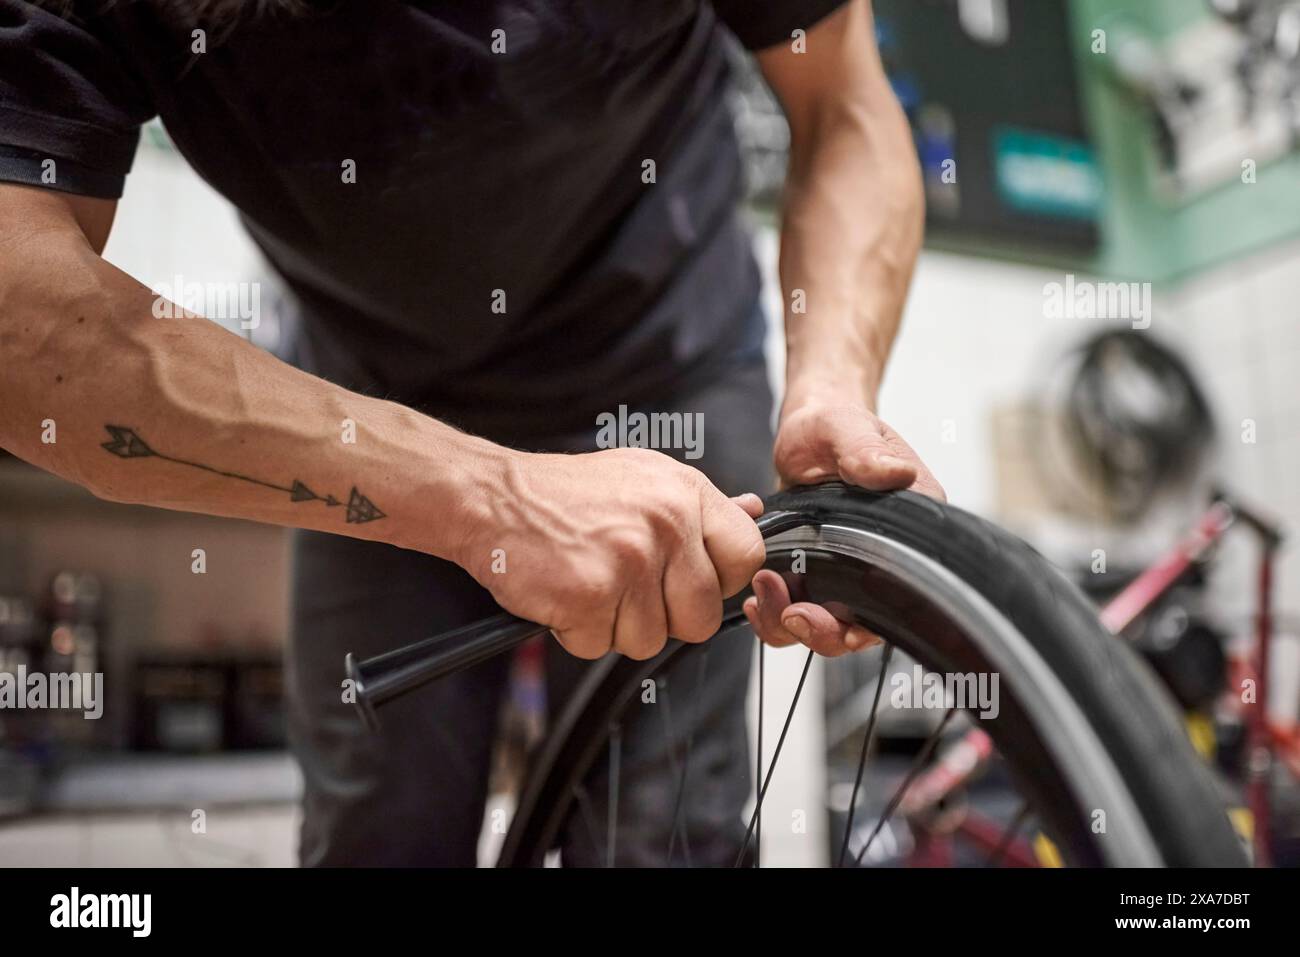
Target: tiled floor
{"points": [[256, 836]]}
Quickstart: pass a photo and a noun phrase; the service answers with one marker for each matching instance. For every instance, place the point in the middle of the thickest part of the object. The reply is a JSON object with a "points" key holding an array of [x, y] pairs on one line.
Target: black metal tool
{"points": [[384, 677]]}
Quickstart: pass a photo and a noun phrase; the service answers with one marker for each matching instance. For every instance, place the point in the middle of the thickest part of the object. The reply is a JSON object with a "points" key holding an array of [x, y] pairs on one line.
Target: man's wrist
{"points": [[858, 386], [485, 475], [456, 493]]}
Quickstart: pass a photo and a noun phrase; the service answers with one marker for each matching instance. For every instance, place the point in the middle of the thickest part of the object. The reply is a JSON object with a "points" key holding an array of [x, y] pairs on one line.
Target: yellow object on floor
{"points": [[1200, 730], [1046, 852], [1243, 822]]}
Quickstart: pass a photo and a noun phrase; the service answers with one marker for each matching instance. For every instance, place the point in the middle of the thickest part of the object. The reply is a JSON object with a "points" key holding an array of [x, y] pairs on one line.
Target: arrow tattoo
{"points": [[126, 443]]}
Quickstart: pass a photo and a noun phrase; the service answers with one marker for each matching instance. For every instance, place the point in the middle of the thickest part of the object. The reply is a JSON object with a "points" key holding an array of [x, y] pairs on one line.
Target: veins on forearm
{"points": [[127, 444]]}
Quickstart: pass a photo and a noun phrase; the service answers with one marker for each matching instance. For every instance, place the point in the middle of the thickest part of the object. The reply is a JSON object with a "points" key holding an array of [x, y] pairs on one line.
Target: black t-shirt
{"points": [[477, 170]]}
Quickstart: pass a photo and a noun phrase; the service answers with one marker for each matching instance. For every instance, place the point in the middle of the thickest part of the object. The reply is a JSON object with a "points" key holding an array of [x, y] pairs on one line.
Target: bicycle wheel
{"points": [[1082, 726]]}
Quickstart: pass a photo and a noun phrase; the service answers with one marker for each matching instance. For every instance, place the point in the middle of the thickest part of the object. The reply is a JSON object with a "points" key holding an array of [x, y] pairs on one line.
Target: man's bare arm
{"points": [[851, 228], [182, 414], [613, 549], [854, 208]]}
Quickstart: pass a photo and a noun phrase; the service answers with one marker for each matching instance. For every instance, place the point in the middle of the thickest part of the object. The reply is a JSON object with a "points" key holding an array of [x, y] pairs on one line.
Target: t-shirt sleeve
{"points": [[763, 23], [68, 97]]}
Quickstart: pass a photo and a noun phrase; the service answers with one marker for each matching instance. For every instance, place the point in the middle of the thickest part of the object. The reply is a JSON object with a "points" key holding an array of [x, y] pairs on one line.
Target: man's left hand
{"points": [[822, 441]]}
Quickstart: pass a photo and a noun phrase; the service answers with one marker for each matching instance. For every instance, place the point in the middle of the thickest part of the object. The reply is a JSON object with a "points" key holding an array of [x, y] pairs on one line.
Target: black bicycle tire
{"points": [[1174, 794]]}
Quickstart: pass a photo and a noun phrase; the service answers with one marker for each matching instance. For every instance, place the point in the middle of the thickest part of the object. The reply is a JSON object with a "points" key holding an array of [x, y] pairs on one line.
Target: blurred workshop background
{"points": [[1102, 335]]}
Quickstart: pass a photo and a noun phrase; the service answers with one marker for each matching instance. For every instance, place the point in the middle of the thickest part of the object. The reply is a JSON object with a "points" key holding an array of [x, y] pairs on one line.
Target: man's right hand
{"points": [[613, 550]]}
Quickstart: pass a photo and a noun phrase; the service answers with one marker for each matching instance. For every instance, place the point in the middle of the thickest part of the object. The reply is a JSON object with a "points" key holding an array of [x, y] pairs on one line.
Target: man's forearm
{"points": [[181, 414], [612, 550], [853, 216], [850, 238]]}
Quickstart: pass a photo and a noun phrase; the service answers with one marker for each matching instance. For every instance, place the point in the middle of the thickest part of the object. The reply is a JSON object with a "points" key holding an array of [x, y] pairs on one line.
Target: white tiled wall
{"points": [[1245, 341]]}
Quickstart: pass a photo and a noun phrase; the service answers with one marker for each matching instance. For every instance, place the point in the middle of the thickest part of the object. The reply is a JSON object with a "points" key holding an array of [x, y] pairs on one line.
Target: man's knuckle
{"points": [[645, 645], [588, 646], [595, 589], [634, 551], [704, 625]]}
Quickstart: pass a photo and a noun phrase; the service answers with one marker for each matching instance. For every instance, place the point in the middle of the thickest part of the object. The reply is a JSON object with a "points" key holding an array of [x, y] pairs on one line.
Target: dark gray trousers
{"points": [[415, 793]]}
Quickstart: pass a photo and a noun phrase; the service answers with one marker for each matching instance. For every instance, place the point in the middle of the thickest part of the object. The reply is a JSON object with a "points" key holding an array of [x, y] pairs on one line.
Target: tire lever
{"points": [[386, 676]]}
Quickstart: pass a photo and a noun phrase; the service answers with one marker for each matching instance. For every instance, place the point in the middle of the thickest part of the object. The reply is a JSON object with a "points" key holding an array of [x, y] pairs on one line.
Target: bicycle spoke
{"points": [[758, 761], [665, 709], [1009, 835], [588, 818], [866, 746], [679, 819], [670, 734], [912, 772], [615, 753], [758, 807]]}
